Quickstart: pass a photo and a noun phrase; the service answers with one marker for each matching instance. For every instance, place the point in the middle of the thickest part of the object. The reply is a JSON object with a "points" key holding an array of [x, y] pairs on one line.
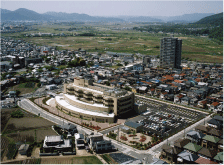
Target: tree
{"points": [[82, 63], [107, 83], [127, 88], [125, 63]]}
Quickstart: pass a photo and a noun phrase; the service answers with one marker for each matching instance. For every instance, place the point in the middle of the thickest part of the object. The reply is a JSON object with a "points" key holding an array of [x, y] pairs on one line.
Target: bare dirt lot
{"points": [[26, 123], [41, 133]]}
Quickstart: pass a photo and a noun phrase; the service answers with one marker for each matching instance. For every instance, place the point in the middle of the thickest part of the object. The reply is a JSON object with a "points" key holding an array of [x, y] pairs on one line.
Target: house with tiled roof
{"points": [[210, 141], [215, 132], [220, 145], [151, 92], [186, 158], [207, 153], [214, 123], [202, 104], [170, 153], [192, 147], [202, 160], [177, 98], [219, 158], [214, 106], [180, 143], [195, 137]]}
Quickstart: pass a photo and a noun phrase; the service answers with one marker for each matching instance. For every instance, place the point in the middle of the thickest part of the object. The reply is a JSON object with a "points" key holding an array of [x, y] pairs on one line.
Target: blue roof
{"points": [[99, 81]]}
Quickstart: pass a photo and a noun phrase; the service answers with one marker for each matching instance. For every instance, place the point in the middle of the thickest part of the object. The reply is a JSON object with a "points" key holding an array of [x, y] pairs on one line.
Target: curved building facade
{"points": [[88, 100]]}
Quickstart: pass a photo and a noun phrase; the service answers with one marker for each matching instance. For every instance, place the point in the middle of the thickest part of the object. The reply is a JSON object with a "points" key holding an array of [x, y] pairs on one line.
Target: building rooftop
{"points": [[53, 138], [64, 103]]}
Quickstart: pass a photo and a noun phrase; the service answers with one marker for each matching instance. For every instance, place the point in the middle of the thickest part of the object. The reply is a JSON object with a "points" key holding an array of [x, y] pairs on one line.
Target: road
{"points": [[31, 107]]}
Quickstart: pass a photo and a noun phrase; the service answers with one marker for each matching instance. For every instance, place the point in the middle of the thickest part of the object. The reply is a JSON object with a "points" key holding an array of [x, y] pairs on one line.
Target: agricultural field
{"points": [[72, 160], [24, 88], [15, 131], [108, 38]]}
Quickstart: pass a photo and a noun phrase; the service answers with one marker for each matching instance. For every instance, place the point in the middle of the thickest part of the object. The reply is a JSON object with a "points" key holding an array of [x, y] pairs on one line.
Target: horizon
{"points": [[119, 8]]}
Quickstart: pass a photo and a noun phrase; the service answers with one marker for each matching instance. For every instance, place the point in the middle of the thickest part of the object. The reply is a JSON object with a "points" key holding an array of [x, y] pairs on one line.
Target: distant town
{"points": [[102, 106]]}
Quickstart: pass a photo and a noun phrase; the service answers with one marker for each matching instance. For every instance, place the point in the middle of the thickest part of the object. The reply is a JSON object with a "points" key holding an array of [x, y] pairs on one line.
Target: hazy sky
{"points": [[115, 8]]}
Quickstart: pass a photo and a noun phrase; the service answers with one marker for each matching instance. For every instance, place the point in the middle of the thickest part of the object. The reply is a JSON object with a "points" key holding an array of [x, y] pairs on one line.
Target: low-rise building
{"points": [[56, 142]]}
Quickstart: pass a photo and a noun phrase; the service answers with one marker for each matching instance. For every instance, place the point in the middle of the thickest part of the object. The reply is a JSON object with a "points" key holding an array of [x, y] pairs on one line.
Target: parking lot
{"points": [[163, 119]]}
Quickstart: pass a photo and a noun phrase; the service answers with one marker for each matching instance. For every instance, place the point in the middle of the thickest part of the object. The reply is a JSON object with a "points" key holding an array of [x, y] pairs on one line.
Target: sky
{"points": [[118, 8]]}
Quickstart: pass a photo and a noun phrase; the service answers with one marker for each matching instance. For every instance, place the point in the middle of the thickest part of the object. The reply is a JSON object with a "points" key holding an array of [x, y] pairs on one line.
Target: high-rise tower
{"points": [[170, 52]]}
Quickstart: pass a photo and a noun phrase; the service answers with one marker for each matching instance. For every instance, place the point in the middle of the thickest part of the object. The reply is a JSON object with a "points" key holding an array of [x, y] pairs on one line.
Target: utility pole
{"points": [[118, 133]]}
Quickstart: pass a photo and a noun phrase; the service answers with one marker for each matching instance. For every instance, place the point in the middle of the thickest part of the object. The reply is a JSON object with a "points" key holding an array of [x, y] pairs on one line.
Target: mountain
{"points": [[187, 18], [140, 19], [5, 11], [25, 14], [216, 19], [22, 14]]}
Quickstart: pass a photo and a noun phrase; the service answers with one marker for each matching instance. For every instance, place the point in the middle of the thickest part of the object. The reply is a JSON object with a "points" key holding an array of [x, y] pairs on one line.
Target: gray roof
{"points": [[188, 156], [68, 126], [219, 118], [159, 161], [132, 124], [195, 134]]}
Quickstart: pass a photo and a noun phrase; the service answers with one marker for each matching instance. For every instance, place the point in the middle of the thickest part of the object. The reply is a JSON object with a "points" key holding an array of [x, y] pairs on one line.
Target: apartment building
{"points": [[170, 52]]}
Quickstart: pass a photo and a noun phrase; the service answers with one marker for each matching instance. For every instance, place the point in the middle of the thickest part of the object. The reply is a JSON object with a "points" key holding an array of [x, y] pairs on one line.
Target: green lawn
{"points": [[86, 160]]}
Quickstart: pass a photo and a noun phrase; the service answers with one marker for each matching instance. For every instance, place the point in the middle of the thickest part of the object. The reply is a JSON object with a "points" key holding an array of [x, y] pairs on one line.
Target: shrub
{"points": [[17, 114], [123, 138]]}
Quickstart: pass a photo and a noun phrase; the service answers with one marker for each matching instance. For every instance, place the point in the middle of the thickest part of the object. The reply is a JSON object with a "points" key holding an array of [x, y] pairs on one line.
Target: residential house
{"points": [[69, 128], [207, 153], [215, 132], [210, 142], [186, 158], [180, 143], [185, 100], [214, 106], [202, 128], [79, 141], [214, 123], [219, 158], [98, 144], [195, 137], [56, 142], [220, 145], [170, 153], [192, 147], [202, 104], [202, 160]]}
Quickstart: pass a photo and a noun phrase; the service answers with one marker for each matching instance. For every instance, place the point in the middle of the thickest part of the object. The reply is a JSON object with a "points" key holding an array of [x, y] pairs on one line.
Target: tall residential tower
{"points": [[170, 52]]}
